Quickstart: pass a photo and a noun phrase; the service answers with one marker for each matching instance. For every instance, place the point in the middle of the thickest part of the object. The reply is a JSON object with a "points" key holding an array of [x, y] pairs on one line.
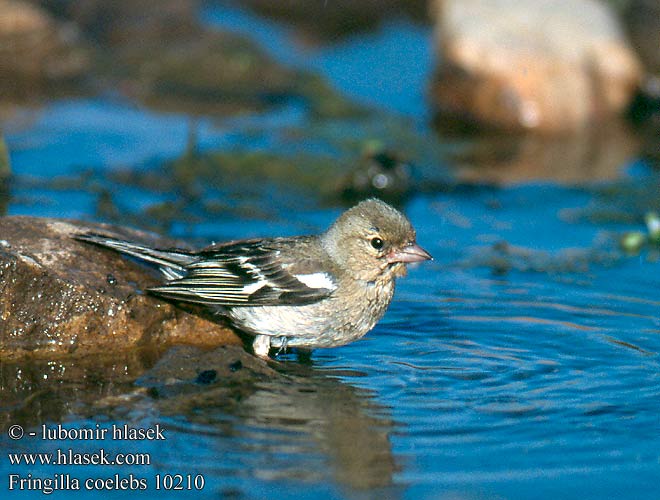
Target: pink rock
{"points": [[550, 66]]}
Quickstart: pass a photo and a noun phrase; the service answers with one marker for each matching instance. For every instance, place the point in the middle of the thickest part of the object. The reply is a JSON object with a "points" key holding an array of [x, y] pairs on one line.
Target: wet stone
{"points": [[63, 297]]}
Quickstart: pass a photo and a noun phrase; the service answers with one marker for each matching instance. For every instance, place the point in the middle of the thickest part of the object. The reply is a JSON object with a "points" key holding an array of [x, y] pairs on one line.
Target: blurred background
{"points": [[166, 112], [521, 137]]}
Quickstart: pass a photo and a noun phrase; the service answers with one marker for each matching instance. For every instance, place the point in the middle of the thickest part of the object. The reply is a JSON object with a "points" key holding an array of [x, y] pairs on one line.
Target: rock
{"points": [[5, 164], [127, 21], [550, 66], [219, 73], [187, 370], [5, 174], [338, 18], [33, 46], [61, 296], [51, 390], [41, 390], [642, 19]]}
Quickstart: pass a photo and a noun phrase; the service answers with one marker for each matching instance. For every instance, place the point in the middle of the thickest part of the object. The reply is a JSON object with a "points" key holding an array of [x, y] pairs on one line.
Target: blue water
{"points": [[388, 68], [529, 375]]}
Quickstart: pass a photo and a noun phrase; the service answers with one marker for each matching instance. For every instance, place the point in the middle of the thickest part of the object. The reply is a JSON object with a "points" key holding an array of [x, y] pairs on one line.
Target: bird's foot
{"points": [[283, 345]]}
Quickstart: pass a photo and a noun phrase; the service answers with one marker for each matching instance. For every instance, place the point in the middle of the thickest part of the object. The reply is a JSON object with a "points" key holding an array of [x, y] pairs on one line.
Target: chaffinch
{"points": [[306, 291]]}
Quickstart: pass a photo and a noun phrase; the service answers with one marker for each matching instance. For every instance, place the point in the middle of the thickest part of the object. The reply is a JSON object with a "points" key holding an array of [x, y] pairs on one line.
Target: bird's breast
{"points": [[348, 314]]}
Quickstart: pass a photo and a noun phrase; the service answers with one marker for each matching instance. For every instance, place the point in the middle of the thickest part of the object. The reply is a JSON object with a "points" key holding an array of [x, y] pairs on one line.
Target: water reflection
{"points": [[4, 196], [312, 427], [339, 419], [5, 172], [596, 154], [37, 391], [241, 418]]}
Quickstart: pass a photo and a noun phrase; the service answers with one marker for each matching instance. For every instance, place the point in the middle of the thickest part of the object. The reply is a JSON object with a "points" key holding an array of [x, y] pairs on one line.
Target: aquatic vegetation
{"points": [[633, 242]]}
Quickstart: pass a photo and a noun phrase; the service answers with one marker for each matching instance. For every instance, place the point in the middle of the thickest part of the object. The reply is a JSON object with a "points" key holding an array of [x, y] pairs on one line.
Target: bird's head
{"points": [[373, 241]]}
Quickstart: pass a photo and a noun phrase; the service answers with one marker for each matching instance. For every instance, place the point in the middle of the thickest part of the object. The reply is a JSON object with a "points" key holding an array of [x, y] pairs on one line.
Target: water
{"points": [[524, 369]]}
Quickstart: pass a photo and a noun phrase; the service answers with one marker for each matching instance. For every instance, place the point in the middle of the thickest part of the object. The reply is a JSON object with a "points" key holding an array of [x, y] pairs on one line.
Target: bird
{"points": [[304, 292]]}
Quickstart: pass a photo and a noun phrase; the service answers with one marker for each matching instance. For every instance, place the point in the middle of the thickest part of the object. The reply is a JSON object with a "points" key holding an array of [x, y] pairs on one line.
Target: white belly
{"points": [[328, 323]]}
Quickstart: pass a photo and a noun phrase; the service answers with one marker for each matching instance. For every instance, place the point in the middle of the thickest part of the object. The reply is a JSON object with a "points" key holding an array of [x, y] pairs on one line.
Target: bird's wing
{"points": [[249, 273]]}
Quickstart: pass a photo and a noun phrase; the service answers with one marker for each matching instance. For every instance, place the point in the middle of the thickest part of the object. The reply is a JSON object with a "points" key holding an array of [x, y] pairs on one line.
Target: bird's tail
{"points": [[172, 263]]}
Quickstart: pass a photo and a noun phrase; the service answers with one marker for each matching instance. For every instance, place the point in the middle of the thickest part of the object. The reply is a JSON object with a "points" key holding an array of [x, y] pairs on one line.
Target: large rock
{"points": [[61, 296], [544, 65], [5, 165], [35, 47], [126, 21]]}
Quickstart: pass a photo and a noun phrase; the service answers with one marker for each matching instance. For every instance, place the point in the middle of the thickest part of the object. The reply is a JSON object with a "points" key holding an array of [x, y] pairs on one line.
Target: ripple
{"points": [[524, 319]]}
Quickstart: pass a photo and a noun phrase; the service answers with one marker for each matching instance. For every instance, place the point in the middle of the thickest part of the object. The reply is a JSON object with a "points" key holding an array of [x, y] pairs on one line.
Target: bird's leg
{"points": [[283, 345], [261, 346]]}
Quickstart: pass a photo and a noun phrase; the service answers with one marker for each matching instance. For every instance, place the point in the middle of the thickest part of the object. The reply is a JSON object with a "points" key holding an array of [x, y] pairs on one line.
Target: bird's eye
{"points": [[377, 243]]}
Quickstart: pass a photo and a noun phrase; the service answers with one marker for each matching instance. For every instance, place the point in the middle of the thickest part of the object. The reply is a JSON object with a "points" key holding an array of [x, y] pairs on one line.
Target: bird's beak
{"points": [[410, 253]]}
